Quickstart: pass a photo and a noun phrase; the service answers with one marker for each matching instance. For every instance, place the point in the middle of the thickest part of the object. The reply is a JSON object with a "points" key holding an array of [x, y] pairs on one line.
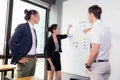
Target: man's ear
{"points": [[92, 14], [32, 16]]}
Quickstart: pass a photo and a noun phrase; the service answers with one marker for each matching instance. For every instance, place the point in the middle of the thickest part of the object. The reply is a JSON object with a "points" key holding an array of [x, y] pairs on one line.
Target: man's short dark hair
{"points": [[96, 10]]}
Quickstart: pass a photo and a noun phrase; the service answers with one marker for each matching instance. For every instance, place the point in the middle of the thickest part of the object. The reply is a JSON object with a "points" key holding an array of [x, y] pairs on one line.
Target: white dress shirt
{"points": [[33, 48], [100, 34]]}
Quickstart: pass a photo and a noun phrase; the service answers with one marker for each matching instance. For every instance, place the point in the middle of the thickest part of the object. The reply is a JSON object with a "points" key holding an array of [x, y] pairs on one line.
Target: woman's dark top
{"points": [[51, 53]]}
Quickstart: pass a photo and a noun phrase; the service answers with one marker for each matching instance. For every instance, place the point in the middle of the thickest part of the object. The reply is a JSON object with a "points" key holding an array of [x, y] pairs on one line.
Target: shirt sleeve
{"points": [[95, 36], [14, 40], [62, 36], [47, 49]]}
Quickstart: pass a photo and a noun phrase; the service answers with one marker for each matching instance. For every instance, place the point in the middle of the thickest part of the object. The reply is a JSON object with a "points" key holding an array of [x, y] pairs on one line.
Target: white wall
{"points": [[75, 11], [55, 13]]}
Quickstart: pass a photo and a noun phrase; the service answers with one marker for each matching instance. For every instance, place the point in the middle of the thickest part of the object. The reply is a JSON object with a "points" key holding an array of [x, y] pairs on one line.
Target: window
{"points": [[3, 9]]}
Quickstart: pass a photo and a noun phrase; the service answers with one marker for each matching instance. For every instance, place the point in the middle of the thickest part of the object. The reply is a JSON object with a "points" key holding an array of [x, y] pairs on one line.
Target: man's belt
{"points": [[101, 61], [30, 56]]}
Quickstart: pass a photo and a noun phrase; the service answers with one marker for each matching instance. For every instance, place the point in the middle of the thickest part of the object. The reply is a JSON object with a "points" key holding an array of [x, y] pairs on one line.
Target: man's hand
{"points": [[24, 60], [86, 30], [88, 67]]}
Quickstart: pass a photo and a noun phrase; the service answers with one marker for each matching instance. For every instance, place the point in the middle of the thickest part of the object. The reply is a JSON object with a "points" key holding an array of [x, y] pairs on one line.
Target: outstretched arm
{"points": [[69, 26]]}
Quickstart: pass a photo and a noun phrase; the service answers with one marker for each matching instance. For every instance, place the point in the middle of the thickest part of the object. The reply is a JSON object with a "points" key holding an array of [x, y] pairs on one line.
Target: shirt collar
{"points": [[30, 25], [96, 22]]}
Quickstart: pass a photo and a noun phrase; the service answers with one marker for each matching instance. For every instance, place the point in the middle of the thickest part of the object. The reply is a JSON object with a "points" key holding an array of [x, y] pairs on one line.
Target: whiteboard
{"points": [[74, 55]]}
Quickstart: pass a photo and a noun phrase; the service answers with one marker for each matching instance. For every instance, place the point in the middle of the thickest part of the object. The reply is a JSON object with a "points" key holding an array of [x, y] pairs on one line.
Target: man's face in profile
{"points": [[90, 17]]}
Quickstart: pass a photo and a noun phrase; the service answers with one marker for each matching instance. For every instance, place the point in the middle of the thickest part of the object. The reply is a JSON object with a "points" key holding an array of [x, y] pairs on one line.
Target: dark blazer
{"points": [[20, 42], [50, 46]]}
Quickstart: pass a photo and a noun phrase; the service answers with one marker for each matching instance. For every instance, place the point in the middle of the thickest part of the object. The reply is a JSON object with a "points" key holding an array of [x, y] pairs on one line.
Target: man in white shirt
{"points": [[98, 61]]}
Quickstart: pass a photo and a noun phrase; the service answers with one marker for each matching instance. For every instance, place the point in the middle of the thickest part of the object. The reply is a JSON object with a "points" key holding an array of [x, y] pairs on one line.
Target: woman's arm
{"points": [[50, 61], [51, 64], [69, 26]]}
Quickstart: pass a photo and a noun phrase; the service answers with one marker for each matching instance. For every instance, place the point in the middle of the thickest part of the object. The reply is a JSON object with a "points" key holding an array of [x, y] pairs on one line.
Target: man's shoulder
{"points": [[23, 24]]}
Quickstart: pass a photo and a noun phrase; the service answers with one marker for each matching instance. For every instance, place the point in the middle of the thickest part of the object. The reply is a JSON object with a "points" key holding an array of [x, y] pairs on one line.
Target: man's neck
{"points": [[95, 19], [32, 22]]}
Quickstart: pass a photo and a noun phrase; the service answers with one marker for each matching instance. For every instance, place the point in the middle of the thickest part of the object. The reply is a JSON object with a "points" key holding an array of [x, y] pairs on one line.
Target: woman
{"points": [[53, 47]]}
